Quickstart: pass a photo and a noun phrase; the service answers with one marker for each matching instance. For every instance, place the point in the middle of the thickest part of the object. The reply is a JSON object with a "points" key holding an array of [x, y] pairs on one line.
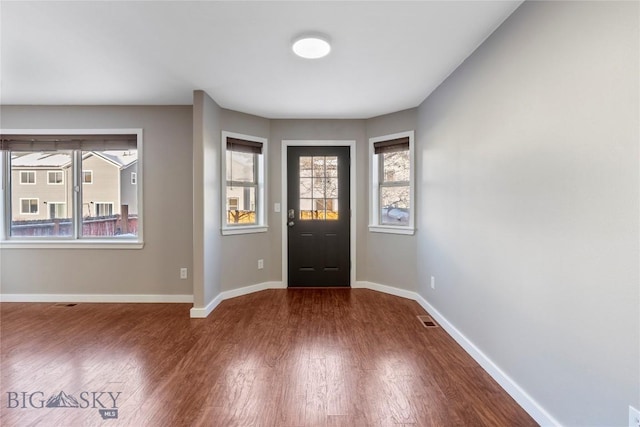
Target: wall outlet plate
{"points": [[183, 273], [260, 264], [634, 417]]}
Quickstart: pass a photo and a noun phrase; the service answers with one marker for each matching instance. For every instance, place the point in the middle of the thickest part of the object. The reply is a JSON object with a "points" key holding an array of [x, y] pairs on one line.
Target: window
{"points": [[232, 204], [27, 177], [55, 178], [134, 178], [57, 210], [72, 212], [244, 197], [392, 183], [318, 188], [29, 206], [104, 209]]}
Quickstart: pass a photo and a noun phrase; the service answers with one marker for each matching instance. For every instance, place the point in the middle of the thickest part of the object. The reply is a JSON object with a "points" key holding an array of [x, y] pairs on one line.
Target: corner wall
{"points": [[207, 241], [391, 258], [529, 205]]}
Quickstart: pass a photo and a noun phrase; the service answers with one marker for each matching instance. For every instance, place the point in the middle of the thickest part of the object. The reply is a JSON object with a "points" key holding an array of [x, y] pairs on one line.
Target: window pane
{"points": [[305, 166], [108, 172], [305, 188], [395, 167], [240, 166], [394, 205], [244, 199], [332, 209], [31, 204], [318, 166], [54, 177], [318, 188], [331, 166], [332, 188]]}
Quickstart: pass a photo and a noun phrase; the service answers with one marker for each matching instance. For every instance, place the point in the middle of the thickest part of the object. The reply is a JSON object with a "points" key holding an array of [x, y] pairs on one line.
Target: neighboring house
{"points": [[42, 184]]}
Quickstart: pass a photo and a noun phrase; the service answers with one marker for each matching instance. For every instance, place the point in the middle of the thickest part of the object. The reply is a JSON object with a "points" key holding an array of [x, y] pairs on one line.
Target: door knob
{"points": [[291, 223]]}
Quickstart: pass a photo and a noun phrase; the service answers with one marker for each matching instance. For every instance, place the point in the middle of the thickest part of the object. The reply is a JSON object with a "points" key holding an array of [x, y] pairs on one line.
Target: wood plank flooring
{"points": [[314, 357]]}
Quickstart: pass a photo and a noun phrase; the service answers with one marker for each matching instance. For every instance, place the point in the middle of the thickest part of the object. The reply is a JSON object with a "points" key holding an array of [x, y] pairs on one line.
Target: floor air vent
{"points": [[427, 321]]}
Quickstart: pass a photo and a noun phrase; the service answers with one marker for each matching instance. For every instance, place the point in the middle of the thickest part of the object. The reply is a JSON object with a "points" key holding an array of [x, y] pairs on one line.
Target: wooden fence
{"points": [[104, 226]]}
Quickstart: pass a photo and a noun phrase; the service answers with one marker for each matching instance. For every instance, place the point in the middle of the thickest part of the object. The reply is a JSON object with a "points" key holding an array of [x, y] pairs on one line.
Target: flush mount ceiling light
{"points": [[311, 46]]}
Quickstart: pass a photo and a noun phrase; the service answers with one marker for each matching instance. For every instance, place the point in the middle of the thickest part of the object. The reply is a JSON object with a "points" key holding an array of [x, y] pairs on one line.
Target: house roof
{"points": [[40, 160], [118, 158]]}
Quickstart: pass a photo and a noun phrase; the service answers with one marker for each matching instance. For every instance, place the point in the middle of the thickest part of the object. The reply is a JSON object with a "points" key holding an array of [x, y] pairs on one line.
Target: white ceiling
{"points": [[387, 55]]}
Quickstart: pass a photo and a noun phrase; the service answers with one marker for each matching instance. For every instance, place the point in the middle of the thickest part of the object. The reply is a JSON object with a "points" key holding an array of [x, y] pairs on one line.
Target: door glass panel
{"points": [[306, 188], [331, 166], [318, 188]]}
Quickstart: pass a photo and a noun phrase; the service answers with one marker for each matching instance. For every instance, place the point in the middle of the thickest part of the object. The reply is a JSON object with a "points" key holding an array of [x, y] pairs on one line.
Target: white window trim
{"points": [[90, 173], [28, 183], [7, 242], [261, 195], [37, 212], [374, 181], [55, 183]]}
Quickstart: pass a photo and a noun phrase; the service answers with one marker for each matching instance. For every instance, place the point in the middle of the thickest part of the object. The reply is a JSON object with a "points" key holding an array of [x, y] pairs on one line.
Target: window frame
{"points": [[75, 240], [90, 172], [55, 172], [376, 183], [95, 207], [28, 183], [260, 226], [49, 204], [37, 199]]}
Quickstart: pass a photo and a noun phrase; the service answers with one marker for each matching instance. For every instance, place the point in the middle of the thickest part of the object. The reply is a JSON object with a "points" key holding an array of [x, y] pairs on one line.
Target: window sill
{"points": [[71, 244], [389, 229], [249, 229]]}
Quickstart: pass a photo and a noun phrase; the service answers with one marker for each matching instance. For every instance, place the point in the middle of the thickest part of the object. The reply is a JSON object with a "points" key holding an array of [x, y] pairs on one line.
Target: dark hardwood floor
{"points": [[313, 357]]}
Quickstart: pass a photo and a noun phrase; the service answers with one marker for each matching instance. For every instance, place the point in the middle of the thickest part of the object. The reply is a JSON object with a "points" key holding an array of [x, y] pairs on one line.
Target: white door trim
{"points": [[352, 199]]}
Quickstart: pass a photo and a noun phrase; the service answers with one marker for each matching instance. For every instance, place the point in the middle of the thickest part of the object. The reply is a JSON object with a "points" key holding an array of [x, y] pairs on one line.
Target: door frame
{"points": [[352, 200]]}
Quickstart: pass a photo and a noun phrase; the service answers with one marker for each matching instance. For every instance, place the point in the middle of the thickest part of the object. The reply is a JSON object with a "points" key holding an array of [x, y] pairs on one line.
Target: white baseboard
{"points": [[201, 313], [97, 298], [533, 408], [251, 289], [205, 311], [386, 289]]}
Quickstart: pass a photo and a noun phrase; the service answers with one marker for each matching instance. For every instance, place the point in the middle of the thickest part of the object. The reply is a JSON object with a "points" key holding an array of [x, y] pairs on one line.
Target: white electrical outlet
{"points": [[183, 273], [433, 282], [260, 264], [276, 207], [634, 417]]}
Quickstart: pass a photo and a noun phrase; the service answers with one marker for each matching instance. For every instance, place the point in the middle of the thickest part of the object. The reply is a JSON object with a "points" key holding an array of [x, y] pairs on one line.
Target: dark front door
{"points": [[318, 216]]}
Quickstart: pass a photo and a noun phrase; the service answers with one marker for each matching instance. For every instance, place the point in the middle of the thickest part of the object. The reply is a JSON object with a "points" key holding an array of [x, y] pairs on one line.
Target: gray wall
{"points": [[528, 180], [391, 258], [207, 241], [168, 210], [241, 252]]}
